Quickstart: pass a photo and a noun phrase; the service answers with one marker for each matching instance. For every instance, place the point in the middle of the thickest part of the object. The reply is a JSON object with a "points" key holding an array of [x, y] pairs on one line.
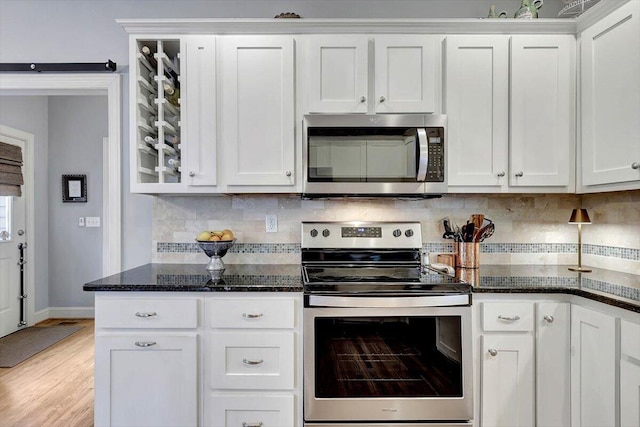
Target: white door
{"points": [[12, 235]]}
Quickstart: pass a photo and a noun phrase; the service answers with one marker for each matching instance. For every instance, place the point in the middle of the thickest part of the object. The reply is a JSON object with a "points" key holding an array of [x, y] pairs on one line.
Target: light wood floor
{"points": [[54, 387]]}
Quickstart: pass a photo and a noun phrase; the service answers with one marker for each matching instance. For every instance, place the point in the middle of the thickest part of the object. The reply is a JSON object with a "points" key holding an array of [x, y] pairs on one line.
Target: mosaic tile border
{"points": [[444, 247], [237, 279], [612, 251], [612, 288], [529, 281]]}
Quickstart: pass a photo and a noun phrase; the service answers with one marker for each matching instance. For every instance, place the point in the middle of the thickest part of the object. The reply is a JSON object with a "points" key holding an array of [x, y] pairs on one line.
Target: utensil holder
{"points": [[467, 254]]}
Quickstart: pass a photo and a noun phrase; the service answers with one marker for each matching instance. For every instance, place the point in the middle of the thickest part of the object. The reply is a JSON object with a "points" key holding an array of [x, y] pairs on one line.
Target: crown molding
{"points": [[348, 26], [597, 12]]}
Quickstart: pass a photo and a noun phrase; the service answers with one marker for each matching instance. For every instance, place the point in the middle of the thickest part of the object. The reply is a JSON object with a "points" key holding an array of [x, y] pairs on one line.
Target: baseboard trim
{"points": [[64, 313]]}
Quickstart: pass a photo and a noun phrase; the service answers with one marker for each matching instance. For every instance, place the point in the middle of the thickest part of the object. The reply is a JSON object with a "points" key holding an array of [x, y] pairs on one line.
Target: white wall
{"points": [[77, 125], [30, 114]]}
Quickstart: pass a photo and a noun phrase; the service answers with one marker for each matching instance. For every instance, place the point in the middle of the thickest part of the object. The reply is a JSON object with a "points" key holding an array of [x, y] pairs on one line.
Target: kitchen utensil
{"points": [[477, 220], [448, 232], [485, 232], [468, 233]]}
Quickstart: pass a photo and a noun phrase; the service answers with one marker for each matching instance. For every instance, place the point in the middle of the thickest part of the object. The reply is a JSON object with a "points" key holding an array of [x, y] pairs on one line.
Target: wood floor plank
{"points": [[54, 387]]}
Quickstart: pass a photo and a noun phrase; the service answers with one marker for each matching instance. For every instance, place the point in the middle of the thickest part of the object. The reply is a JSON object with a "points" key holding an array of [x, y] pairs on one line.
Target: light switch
{"points": [[81, 221], [93, 221]]}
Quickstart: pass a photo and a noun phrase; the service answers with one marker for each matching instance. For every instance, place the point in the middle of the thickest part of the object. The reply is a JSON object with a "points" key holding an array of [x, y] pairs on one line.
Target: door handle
{"points": [[423, 158]]}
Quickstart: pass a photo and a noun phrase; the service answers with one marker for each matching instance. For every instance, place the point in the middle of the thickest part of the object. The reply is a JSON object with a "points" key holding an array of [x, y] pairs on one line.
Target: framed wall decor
{"points": [[74, 188]]}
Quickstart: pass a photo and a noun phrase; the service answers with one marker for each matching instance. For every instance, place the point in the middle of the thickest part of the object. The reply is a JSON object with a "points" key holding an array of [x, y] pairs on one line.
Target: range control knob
{"points": [[408, 232], [326, 232], [313, 232], [397, 232]]}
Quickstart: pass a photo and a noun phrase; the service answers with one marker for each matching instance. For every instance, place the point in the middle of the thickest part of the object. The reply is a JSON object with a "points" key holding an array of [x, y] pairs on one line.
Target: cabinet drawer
{"points": [[507, 316], [629, 342], [252, 313], [146, 313], [252, 361], [263, 411]]}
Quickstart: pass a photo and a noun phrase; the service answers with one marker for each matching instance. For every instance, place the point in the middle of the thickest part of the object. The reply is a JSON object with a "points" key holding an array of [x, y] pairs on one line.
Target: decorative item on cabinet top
{"points": [[575, 8], [528, 10]]}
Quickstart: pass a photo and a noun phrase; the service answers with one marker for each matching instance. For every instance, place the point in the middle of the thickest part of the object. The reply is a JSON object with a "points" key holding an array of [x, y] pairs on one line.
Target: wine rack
{"points": [[158, 119]]}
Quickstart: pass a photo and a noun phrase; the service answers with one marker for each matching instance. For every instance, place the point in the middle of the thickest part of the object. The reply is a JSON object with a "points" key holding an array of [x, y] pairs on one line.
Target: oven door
{"points": [[381, 364]]}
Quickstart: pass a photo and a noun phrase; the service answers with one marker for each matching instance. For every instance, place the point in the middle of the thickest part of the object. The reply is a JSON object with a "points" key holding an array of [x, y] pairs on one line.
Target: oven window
{"points": [[388, 357]]}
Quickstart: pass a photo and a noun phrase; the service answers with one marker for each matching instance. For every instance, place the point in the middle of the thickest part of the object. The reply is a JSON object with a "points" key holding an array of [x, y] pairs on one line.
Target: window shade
{"points": [[10, 170]]}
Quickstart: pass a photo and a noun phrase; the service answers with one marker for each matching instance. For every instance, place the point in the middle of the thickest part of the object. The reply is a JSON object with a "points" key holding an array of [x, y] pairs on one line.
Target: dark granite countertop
{"points": [[607, 286], [196, 278], [610, 287]]}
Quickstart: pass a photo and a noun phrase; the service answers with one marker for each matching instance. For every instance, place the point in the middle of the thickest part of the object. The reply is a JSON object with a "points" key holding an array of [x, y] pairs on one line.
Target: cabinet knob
{"points": [[382, 99], [145, 343], [493, 352], [192, 174], [519, 174], [501, 174], [548, 319], [149, 314], [509, 318], [635, 165], [363, 99], [288, 173]]}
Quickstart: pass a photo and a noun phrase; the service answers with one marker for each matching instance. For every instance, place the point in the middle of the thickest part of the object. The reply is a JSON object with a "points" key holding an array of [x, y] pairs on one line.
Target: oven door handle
{"points": [[386, 302]]}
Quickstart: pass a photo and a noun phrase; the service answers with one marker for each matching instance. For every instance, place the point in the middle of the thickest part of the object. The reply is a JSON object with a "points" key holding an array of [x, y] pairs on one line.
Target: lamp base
{"points": [[581, 269]]}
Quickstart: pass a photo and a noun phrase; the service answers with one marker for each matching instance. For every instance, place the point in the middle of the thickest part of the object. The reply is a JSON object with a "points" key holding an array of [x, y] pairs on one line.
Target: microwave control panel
{"points": [[435, 150]]}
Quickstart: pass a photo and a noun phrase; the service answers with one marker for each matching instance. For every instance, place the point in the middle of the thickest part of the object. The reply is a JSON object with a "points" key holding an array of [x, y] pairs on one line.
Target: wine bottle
{"points": [[149, 140], [173, 94], [172, 120], [175, 163], [146, 51]]}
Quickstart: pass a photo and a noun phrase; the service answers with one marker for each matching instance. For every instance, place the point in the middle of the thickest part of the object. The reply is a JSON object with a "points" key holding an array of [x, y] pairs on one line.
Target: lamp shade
{"points": [[579, 216]]}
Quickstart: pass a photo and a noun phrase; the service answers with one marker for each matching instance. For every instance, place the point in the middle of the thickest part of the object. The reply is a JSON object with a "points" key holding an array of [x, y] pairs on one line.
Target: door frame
{"points": [[28, 173], [88, 84]]}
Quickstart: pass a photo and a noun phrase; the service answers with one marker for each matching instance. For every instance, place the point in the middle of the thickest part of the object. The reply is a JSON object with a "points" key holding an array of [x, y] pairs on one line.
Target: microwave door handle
{"points": [[423, 158]]}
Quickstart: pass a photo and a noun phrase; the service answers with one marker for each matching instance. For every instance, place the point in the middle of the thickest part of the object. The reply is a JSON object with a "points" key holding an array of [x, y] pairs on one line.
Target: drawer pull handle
{"points": [[252, 315], [509, 318], [252, 362], [145, 343], [246, 424], [150, 314], [548, 319], [493, 352]]}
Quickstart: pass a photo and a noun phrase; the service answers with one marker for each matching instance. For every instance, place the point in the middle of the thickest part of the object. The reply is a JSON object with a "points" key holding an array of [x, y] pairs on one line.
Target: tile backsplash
{"points": [[530, 229]]}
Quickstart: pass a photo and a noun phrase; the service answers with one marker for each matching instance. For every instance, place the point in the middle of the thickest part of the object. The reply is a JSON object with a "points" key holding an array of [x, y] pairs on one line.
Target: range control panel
{"points": [[358, 234]]}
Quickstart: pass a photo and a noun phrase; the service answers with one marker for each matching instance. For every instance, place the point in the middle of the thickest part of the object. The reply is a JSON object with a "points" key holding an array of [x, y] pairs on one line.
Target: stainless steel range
{"points": [[386, 342]]}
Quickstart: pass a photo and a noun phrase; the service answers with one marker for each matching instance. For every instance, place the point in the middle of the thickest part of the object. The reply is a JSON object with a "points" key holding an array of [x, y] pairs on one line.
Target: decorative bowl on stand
{"points": [[216, 250]]}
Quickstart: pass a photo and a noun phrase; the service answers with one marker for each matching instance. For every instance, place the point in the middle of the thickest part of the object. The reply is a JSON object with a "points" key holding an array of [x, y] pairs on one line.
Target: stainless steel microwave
{"points": [[391, 155]]}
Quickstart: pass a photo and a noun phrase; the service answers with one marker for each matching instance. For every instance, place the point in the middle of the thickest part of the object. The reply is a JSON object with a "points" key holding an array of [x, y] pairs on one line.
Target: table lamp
{"points": [[580, 216]]}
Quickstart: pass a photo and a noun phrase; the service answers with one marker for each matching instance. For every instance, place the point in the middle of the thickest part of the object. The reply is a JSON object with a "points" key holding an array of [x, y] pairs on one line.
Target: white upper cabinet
{"points": [[257, 110], [610, 101], [509, 102], [406, 73], [477, 108], [337, 70], [342, 77], [542, 99], [200, 112]]}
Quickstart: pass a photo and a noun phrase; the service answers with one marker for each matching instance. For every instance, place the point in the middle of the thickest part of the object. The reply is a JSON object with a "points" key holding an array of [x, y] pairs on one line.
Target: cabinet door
{"points": [[257, 110], [200, 110], [250, 411], [593, 368], [406, 69], [159, 370], [337, 69], [507, 378], [553, 364], [542, 99], [610, 98], [629, 394], [477, 108]]}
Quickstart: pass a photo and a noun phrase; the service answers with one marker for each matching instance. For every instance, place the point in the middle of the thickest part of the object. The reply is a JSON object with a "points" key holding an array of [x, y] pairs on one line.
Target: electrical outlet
{"points": [[81, 221], [271, 223], [93, 221]]}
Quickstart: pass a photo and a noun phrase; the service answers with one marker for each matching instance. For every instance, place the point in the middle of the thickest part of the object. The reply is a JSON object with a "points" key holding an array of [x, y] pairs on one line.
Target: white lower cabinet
{"points": [[629, 374], [593, 368], [147, 361], [253, 361], [250, 411], [524, 363], [188, 359]]}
